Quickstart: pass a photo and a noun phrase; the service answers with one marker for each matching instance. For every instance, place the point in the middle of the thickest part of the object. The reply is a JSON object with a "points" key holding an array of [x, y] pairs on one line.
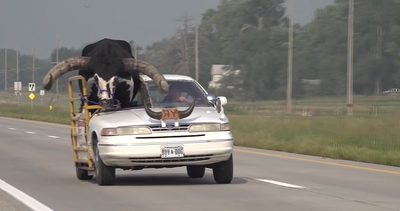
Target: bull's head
{"points": [[105, 85], [106, 89]]}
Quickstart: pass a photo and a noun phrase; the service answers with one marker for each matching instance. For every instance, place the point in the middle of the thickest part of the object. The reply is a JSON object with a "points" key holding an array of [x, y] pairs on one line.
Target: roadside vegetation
{"points": [[370, 135], [365, 139]]}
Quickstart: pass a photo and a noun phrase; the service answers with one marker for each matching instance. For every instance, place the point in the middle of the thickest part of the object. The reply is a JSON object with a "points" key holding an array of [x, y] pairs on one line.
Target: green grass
{"points": [[372, 140], [38, 113], [326, 106], [38, 109], [365, 137]]}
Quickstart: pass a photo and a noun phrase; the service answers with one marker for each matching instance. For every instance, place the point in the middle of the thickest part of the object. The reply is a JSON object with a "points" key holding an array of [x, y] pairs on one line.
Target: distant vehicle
{"points": [[392, 91], [130, 139]]}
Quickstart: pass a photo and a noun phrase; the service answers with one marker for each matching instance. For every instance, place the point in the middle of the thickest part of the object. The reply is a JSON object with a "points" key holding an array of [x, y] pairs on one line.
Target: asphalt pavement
{"points": [[37, 171]]}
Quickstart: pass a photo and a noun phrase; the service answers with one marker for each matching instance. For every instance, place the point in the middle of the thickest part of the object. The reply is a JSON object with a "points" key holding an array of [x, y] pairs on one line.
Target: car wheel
{"points": [[196, 171], [105, 175], [82, 174], [223, 171]]}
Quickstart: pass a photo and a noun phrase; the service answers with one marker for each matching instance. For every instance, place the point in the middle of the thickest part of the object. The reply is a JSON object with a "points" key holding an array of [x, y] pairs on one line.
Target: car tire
{"points": [[105, 175], [196, 171], [82, 174], [223, 171]]}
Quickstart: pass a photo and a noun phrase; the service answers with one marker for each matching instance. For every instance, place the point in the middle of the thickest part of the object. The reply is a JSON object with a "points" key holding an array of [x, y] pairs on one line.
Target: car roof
{"points": [[169, 77], [174, 77]]}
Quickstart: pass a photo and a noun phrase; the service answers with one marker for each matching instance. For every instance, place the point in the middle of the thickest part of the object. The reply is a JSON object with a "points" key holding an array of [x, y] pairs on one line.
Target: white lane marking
{"points": [[280, 183], [11, 128], [24, 198], [29, 132], [53, 136]]}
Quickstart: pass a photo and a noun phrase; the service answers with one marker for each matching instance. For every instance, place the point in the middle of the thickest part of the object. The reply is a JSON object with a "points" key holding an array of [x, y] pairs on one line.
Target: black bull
{"points": [[112, 74]]}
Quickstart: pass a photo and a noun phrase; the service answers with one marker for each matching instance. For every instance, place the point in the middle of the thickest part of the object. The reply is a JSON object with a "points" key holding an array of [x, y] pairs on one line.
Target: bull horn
{"points": [[63, 67], [149, 70], [187, 112], [151, 113], [157, 115]]}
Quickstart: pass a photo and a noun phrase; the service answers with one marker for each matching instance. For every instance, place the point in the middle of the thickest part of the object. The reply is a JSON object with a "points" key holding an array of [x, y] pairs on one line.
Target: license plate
{"points": [[169, 114], [172, 152]]}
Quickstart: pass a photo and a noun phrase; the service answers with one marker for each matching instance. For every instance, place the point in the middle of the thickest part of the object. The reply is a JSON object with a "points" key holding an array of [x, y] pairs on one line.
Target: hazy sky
{"points": [[29, 23]]}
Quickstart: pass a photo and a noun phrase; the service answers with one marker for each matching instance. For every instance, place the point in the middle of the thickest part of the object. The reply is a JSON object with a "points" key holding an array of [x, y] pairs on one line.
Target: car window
{"points": [[187, 91]]}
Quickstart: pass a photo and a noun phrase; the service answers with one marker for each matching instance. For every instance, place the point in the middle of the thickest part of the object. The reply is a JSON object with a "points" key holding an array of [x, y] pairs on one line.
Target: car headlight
{"points": [[120, 131], [209, 127]]}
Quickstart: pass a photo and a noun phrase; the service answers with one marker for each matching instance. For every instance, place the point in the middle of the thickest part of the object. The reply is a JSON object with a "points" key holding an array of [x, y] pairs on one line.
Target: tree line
{"points": [[252, 36]]}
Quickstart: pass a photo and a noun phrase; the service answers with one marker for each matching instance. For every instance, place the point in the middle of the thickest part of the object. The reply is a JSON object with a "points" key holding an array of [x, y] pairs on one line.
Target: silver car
{"points": [[148, 135]]}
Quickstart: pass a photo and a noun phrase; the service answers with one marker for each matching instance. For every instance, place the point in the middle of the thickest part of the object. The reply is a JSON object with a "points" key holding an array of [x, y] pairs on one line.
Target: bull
{"points": [[112, 75]]}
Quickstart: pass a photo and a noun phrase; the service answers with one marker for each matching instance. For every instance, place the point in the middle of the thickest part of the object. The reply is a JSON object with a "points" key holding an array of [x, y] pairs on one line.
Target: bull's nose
{"points": [[106, 103]]}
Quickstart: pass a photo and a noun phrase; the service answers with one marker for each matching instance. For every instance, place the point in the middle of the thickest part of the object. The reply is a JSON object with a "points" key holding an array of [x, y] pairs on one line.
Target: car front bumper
{"points": [[199, 149]]}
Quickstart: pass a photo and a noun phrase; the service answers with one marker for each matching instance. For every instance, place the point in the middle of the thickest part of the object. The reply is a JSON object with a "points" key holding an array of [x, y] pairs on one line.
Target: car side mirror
{"points": [[219, 104], [223, 100], [211, 98]]}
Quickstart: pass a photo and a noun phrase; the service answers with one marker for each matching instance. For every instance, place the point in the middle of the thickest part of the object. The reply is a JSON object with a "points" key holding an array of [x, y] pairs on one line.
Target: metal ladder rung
{"points": [[86, 168], [92, 107], [74, 121], [74, 118], [81, 148], [74, 99], [81, 161]]}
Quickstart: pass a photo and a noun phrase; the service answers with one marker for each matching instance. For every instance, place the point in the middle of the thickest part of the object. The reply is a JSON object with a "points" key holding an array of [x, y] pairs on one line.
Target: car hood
{"points": [[138, 116]]}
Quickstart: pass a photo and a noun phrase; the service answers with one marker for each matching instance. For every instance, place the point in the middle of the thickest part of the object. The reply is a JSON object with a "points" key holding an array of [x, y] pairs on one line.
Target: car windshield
{"points": [[181, 94]]}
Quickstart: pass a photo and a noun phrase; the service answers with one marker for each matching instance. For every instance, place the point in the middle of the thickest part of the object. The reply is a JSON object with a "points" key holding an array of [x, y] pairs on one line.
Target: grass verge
{"points": [[38, 113], [366, 139]]}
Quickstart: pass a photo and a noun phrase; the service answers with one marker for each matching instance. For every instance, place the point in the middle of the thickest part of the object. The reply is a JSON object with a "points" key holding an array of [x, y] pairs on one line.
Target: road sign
{"points": [[17, 86], [17, 93], [32, 96], [31, 87], [42, 92]]}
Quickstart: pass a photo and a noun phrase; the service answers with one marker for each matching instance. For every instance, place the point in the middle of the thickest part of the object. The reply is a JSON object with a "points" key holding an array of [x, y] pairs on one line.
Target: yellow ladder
{"points": [[74, 121]]}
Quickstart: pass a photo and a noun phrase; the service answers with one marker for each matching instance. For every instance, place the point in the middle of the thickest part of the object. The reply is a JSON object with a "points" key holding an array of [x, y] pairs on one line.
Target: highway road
{"points": [[37, 173]]}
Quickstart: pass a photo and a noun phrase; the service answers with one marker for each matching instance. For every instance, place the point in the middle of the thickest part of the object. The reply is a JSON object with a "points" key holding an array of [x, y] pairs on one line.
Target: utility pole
{"points": [[56, 64], [33, 65], [134, 42], [5, 70], [350, 59], [17, 66], [18, 74], [290, 59], [196, 48]]}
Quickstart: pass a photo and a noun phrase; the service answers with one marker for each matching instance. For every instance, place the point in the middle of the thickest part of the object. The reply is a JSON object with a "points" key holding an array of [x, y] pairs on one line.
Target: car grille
{"points": [[171, 160], [170, 128]]}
